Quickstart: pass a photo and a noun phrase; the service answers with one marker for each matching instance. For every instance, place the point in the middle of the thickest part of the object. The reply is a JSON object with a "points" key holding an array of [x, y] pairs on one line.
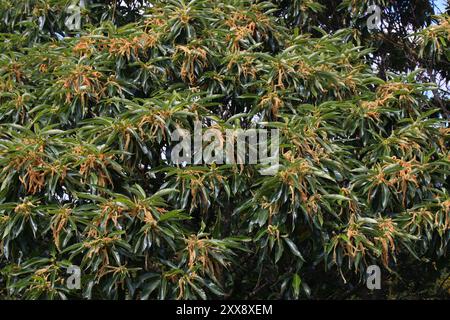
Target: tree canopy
{"points": [[86, 177]]}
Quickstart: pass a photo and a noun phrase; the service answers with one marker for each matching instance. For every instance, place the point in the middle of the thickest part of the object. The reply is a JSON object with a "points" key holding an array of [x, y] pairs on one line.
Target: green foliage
{"points": [[85, 170]]}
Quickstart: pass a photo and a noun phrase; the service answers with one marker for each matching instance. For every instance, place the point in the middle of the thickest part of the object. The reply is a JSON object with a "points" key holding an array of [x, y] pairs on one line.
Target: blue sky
{"points": [[441, 4]]}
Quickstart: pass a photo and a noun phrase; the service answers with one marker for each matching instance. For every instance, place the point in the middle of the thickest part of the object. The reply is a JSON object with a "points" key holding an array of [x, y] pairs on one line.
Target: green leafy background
{"points": [[86, 177]]}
